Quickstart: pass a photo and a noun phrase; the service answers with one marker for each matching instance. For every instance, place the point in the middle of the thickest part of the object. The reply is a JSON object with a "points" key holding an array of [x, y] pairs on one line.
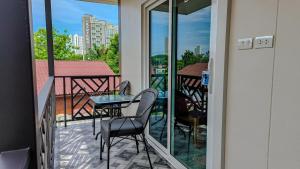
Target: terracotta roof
{"points": [[69, 68], [194, 69]]}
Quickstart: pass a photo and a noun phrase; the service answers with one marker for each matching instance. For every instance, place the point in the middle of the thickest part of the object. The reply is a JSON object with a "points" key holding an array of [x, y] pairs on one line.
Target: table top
{"points": [[117, 99], [111, 99]]}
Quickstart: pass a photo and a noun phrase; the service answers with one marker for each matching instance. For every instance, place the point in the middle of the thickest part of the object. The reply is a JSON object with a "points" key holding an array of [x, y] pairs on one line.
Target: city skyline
{"points": [[67, 14], [193, 31]]}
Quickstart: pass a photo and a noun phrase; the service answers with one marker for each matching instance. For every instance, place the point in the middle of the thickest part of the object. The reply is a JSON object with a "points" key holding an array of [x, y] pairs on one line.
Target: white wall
{"points": [[263, 118], [131, 43], [131, 46], [249, 86], [285, 117]]}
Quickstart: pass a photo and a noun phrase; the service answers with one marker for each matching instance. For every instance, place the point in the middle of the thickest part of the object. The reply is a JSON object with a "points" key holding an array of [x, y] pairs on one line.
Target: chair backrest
{"points": [[124, 87], [148, 98], [181, 104]]}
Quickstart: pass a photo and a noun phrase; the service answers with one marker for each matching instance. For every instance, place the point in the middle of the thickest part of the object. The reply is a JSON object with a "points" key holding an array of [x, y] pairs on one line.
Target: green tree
{"points": [[62, 45], [109, 55], [63, 48], [186, 57], [40, 44], [113, 55]]}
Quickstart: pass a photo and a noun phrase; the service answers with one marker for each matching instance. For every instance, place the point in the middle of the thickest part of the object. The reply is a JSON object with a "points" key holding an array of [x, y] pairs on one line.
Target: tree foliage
{"points": [[62, 45], [40, 44], [189, 58], [109, 54], [64, 50]]}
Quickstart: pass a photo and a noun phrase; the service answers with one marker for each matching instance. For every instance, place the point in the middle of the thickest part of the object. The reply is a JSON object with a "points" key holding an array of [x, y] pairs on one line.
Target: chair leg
{"points": [[146, 146], [94, 122], [108, 150], [189, 140], [101, 149], [137, 144], [161, 134]]}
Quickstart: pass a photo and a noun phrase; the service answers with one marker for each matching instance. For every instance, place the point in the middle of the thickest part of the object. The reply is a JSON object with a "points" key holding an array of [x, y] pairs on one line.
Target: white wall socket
{"points": [[263, 42], [245, 44]]}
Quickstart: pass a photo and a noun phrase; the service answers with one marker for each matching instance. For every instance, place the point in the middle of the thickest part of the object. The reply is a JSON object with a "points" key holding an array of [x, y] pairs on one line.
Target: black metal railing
{"points": [[187, 84], [73, 92], [76, 90], [192, 86], [46, 122]]}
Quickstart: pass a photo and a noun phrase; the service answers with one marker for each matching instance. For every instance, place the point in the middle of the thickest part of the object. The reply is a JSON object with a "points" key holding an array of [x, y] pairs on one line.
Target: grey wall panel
{"points": [[17, 105]]}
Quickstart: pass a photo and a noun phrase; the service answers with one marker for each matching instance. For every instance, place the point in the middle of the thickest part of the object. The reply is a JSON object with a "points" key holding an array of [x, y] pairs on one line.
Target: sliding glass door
{"points": [[179, 123], [158, 64], [190, 58]]}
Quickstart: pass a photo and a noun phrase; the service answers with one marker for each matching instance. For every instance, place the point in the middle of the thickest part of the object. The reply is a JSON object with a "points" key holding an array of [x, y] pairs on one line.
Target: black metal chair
{"points": [[186, 112], [129, 126], [124, 89]]}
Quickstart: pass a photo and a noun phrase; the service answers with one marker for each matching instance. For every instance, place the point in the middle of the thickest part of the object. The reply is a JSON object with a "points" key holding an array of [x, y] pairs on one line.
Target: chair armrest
{"points": [[123, 117]]}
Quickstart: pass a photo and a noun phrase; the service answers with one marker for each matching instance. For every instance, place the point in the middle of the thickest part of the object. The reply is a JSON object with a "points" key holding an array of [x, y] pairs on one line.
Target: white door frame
{"points": [[217, 89], [146, 8]]}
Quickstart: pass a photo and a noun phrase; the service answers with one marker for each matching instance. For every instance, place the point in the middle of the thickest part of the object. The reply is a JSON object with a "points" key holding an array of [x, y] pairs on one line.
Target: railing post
{"points": [[114, 84], [65, 101], [108, 87], [71, 88]]}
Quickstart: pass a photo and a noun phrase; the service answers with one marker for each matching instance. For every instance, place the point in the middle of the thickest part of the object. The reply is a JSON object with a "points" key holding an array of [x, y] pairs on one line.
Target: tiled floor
{"points": [[76, 148]]}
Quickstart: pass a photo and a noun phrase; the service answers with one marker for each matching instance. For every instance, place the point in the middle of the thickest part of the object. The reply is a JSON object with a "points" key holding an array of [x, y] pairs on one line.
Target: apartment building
{"points": [[96, 32], [77, 42]]}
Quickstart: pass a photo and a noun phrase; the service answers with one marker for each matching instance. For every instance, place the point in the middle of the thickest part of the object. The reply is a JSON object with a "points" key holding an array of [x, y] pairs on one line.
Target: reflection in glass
{"points": [[159, 25], [189, 115]]}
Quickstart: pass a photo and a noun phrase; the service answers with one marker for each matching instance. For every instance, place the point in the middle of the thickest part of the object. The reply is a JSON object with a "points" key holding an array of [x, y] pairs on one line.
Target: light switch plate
{"points": [[245, 44], [263, 42]]}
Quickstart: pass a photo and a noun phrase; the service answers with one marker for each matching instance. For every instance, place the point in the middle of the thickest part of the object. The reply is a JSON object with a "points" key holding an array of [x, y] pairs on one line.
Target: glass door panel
{"points": [[158, 36], [191, 24]]}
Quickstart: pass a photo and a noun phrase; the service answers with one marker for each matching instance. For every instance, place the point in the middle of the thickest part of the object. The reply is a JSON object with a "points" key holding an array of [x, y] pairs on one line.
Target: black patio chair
{"points": [[186, 112], [129, 126], [124, 89]]}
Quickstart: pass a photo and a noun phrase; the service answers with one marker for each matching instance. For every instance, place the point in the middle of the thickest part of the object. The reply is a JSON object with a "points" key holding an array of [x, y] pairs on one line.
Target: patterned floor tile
{"points": [[76, 148]]}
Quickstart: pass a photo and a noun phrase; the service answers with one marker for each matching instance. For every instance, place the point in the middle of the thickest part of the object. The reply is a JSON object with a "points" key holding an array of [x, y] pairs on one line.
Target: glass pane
{"points": [[86, 42], [159, 31], [189, 115], [40, 43]]}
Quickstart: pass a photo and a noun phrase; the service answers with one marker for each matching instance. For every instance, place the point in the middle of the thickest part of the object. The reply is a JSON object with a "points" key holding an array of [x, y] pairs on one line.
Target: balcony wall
{"points": [[262, 115], [131, 43], [17, 92], [263, 98]]}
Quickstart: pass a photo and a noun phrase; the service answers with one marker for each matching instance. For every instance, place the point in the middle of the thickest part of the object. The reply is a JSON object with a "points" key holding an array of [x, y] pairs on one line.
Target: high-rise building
{"points": [[77, 42], [198, 50], [96, 32], [166, 45]]}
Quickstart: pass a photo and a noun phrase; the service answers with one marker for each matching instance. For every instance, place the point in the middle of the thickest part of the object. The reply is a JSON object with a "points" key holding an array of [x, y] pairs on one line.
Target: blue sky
{"points": [[67, 14], [193, 30]]}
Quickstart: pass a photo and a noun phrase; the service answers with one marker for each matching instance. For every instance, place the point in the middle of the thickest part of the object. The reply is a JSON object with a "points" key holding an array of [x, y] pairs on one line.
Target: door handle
{"points": [[211, 73]]}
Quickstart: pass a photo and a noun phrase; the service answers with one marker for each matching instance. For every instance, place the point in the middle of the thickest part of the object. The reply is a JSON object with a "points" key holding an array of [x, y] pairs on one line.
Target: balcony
{"points": [[76, 147], [238, 110]]}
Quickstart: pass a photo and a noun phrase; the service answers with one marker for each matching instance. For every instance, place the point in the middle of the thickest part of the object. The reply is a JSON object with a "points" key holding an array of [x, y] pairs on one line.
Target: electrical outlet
{"points": [[263, 42], [245, 44]]}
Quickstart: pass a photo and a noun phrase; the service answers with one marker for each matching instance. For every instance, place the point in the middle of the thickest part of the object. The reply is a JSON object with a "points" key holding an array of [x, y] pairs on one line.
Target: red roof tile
{"points": [[194, 69], [69, 68]]}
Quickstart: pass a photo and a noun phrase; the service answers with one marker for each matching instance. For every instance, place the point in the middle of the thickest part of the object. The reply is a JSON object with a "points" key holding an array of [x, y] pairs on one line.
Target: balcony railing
{"points": [[192, 86], [46, 124], [73, 93]]}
